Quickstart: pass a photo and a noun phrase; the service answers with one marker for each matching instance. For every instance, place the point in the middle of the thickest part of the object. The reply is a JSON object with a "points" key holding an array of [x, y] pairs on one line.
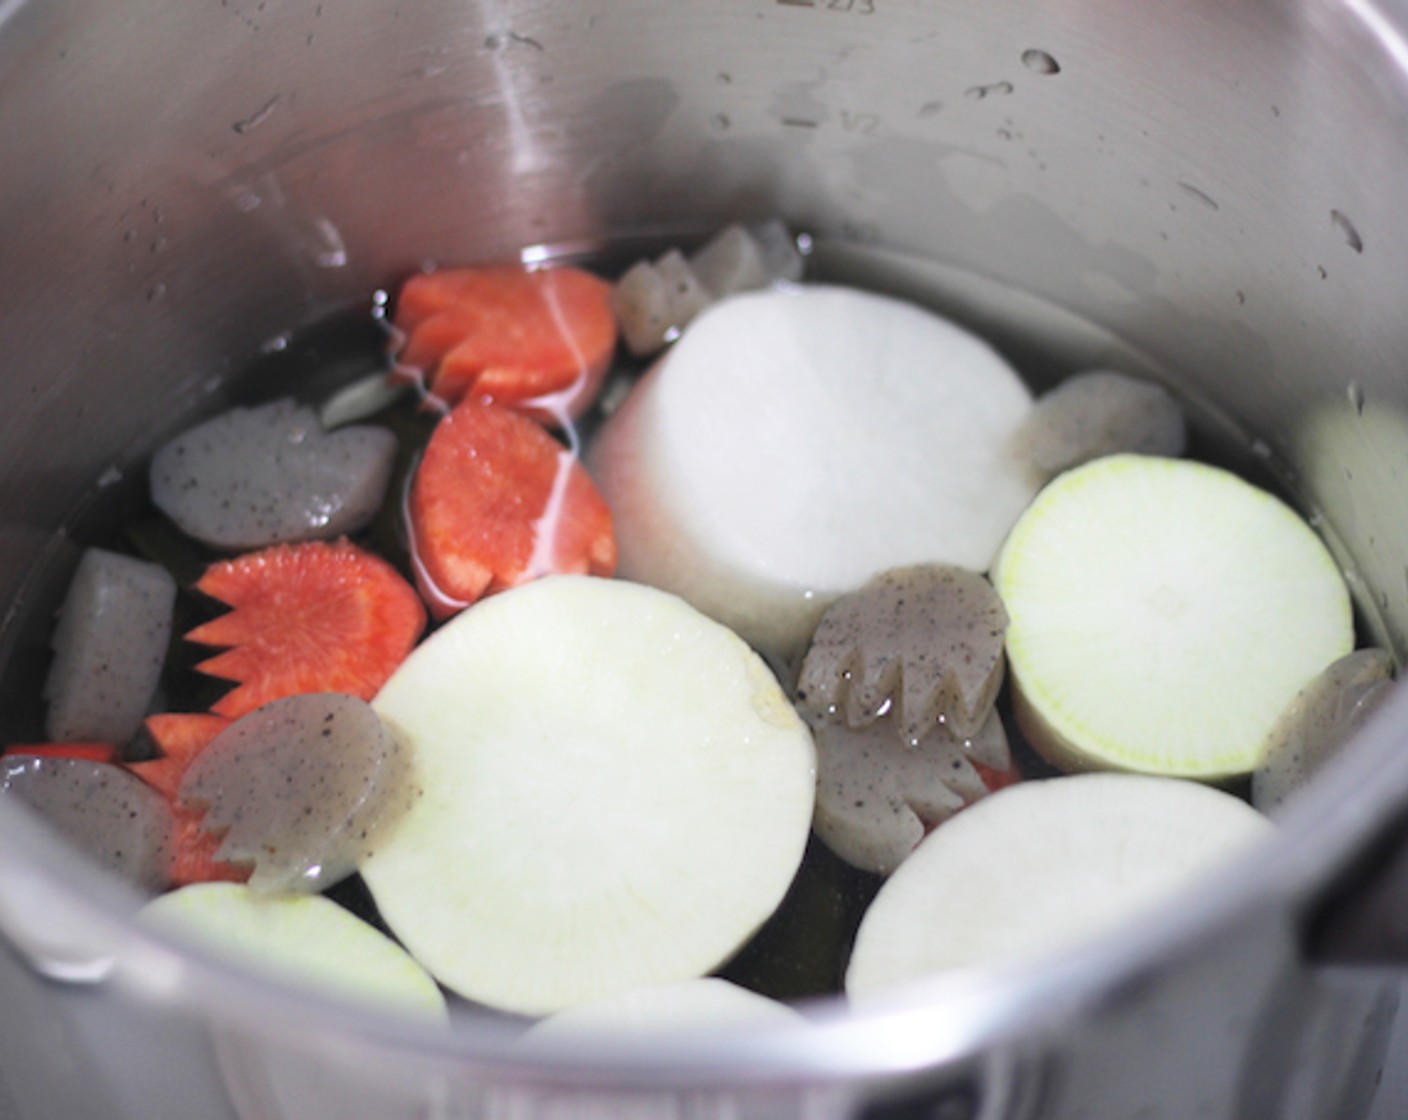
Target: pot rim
{"points": [[947, 1020]]}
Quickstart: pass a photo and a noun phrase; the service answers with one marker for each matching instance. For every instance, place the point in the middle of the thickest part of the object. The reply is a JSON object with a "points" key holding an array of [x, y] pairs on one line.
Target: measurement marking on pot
{"points": [[799, 122], [996, 89], [258, 117], [1199, 195], [855, 7], [1347, 230]]}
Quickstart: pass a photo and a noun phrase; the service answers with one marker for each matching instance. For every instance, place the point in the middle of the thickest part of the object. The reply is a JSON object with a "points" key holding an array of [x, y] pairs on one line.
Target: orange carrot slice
{"points": [[180, 737], [88, 752], [496, 502], [509, 334], [312, 617]]}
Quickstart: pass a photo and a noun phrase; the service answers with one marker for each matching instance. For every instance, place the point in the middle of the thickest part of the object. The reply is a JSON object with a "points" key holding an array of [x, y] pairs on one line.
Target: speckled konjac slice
{"points": [[109, 648], [1319, 721], [1101, 412], [877, 796], [303, 785], [252, 477], [926, 639], [101, 809]]}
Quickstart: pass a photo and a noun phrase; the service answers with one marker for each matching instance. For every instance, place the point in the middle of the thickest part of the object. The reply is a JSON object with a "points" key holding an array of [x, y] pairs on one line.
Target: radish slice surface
{"points": [[1163, 613], [795, 442], [1041, 866], [306, 939], [616, 793], [704, 1004]]}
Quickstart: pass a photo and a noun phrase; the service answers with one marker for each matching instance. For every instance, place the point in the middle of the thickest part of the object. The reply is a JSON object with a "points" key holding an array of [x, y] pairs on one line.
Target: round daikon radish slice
{"points": [[1041, 866], [703, 1004], [306, 939], [616, 793], [1163, 614], [1320, 720], [795, 442], [108, 814], [109, 648], [300, 788]]}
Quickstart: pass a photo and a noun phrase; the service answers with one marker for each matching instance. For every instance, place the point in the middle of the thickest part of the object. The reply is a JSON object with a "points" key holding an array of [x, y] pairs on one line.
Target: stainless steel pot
{"points": [[1212, 190]]}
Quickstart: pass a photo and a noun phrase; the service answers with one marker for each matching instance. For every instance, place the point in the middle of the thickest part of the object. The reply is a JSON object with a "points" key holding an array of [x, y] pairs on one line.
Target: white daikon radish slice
{"points": [[877, 795], [795, 442], [301, 788], [109, 648], [1163, 615], [1320, 720], [102, 810], [305, 939], [616, 793], [1041, 866], [921, 644], [705, 1004], [361, 399], [1100, 413], [253, 477]]}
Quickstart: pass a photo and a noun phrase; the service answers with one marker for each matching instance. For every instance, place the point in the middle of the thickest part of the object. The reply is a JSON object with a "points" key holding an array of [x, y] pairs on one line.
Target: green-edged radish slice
{"points": [[306, 939], [1163, 614], [705, 1004], [1039, 867], [617, 793]]}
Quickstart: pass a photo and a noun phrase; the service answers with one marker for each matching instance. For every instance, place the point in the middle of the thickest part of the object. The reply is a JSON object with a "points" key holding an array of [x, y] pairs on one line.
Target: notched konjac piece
{"points": [[102, 810], [926, 640], [878, 796], [1319, 721], [252, 477], [1099, 413], [303, 785]]}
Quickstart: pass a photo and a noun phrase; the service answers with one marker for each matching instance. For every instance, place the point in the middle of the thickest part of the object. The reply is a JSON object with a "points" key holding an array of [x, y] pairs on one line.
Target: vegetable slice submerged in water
{"points": [[109, 647], [99, 808], [1163, 614], [299, 789], [253, 477], [1319, 721], [306, 939], [1041, 866], [793, 443], [312, 617], [537, 339], [496, 502], [616, 793]]}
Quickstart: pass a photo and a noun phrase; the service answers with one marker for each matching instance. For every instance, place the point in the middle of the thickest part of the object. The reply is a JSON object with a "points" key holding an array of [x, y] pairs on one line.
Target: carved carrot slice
{"points": [[313, 617], [496, 502], [180, 737], [509, 334]]}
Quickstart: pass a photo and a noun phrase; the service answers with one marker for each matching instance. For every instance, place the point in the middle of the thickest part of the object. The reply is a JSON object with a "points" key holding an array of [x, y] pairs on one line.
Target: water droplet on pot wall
{"points": [[1040, 62]]}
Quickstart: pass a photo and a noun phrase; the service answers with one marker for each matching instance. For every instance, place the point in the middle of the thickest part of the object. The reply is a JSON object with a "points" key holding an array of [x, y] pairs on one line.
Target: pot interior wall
{"points": [[1212, 184]]}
